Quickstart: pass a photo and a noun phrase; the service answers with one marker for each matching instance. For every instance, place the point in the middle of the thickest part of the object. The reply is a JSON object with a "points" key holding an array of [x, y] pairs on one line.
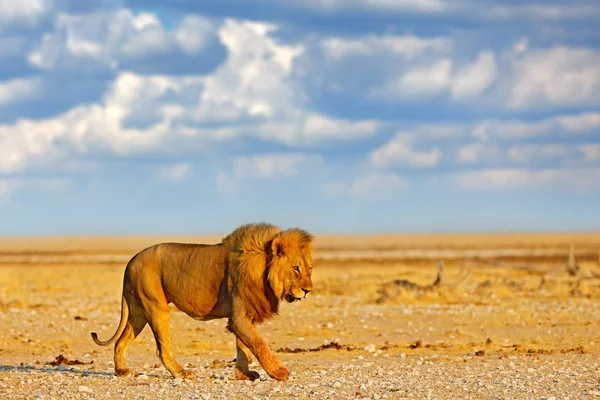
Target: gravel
{"points": [[415, 377]]}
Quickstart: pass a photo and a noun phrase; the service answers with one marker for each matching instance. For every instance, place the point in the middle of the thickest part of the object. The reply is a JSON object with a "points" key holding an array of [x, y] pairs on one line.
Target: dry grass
{"points": [[48, 307]]}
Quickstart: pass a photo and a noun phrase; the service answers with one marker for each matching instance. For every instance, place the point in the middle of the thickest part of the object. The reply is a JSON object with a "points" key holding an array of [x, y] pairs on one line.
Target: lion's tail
{"points": [[120, 329]]}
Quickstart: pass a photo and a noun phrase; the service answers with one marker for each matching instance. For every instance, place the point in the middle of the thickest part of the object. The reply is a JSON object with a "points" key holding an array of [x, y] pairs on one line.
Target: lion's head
{"points": [[269, 265], [290, 266]]}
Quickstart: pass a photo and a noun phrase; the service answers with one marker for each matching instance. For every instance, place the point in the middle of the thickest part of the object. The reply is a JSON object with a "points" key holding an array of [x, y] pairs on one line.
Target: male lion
{"points": [[242, 278]]}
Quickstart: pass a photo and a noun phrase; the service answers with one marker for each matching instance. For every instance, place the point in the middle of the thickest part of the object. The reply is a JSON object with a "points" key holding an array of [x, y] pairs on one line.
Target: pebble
{"points": [[85, 389]]}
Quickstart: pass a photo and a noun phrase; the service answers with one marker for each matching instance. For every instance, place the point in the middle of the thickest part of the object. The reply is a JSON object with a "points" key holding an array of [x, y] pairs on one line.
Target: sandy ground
{"points": [[487, 332]]}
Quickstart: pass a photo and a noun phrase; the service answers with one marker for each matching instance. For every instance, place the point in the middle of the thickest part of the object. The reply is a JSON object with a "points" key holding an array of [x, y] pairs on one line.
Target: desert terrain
{"points": [[455, 316]]}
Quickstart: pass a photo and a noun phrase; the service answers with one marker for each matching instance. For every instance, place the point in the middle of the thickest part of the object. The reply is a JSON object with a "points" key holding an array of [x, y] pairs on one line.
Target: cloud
{"points": [[543, 12], [107, 38], [407, 46], [400, 152], [472, 80], [254, 81], [547, 153], [23, 11], [372, 185], [252, 94], [176, 172], [477, 152], [486, 10], [426, 81], [537, 152], [266, 167], [274, 166], [18, 90], [563, 125], [506, 178], [464, 83], [96, 127], [312, 127], [379, 5], [591, 152], [560, 76]]}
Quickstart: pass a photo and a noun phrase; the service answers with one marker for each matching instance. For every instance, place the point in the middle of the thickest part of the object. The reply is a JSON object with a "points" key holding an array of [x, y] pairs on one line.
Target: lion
{"points": [[243, 278]]}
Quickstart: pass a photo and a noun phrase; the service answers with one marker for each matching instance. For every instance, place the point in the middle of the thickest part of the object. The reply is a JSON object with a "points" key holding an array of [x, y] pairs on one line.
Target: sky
{"points": [[337, 116]]}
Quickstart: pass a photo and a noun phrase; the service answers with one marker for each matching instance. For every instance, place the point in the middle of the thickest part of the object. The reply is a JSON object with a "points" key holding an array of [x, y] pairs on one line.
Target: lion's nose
{"points": [[306, 291]]}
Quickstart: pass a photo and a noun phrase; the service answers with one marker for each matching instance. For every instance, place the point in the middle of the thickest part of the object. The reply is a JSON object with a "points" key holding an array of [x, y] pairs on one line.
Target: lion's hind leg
{"points": [[242, 361], [135, 325], [159, 322]]}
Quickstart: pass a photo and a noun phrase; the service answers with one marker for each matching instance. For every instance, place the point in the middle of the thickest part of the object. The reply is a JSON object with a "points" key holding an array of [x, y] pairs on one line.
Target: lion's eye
{"points": [[297, 269]]}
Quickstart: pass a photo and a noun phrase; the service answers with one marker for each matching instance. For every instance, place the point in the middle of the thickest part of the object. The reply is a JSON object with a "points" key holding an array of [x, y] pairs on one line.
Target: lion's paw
{"points": [[250, 376], [123, 372], [280, 374], [187, 374]]}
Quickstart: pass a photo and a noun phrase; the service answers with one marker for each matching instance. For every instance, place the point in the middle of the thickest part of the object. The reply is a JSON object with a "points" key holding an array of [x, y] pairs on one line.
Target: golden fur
{"points": [[243, 278]]}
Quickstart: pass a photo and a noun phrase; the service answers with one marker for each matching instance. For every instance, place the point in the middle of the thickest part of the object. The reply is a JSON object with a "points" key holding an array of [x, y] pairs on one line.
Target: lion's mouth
{"points": [[290, 298]]}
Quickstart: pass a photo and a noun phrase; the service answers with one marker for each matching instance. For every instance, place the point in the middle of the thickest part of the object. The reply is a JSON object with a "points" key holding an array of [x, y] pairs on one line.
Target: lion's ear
{"points": [[278, 247]]}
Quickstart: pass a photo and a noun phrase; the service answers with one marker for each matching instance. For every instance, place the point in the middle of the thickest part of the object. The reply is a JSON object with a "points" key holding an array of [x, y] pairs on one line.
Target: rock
{"points": [[85, 389], [370, 348]]}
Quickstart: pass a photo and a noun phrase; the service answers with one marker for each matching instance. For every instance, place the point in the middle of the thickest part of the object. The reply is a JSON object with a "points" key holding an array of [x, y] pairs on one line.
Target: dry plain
{"points": [[506, 321]]}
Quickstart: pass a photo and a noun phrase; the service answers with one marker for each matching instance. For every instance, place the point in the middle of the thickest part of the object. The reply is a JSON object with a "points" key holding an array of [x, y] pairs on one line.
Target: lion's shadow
{"points": [[74, 371]]}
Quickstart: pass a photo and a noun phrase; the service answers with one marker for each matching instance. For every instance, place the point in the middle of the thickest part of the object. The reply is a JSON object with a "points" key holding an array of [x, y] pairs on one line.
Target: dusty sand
{"points": [[500, 334]]}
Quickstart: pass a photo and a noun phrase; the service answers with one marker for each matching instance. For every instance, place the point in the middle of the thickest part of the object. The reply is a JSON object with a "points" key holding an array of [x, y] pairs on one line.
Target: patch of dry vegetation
{"points": [[489, 307]]}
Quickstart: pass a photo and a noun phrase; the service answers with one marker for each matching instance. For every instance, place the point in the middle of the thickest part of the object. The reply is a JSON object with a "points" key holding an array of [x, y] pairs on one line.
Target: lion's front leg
{"points": [[242, 362], [247, 334]]}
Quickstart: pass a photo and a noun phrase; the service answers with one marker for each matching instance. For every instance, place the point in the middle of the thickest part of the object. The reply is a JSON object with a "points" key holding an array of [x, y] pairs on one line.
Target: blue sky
{"points": [[129, 117]]}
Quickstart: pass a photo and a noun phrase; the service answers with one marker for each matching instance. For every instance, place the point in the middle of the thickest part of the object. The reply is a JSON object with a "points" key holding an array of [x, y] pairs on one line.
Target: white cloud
{"points": [[384, 5], [266, 167], [464, 83], [312, 127], [539, 152], [192, 34], [544, 12], [23, 11], [591, 152], [107, 38], [94, 127], [562, 124], [425, 80], [373, 185], [176, 172], [477, 152], [487, 179], [251, 94], [521, 45], [254, 81], [419, 81], [555, 153], [465, 9], [472, 80], [400, 152], [274, 166], [408, 46], [561, 76], [17, 90]]}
